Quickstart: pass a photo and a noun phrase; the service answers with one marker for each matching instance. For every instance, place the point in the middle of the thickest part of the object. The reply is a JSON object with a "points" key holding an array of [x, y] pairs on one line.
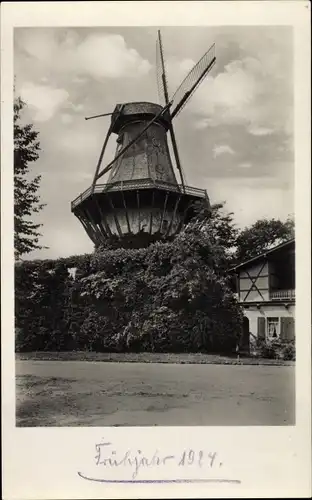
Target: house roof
{"points": [[263, 255]]}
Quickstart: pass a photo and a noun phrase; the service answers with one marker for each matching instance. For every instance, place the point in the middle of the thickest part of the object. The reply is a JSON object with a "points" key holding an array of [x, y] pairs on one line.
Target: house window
{"points": [[272, 328]]}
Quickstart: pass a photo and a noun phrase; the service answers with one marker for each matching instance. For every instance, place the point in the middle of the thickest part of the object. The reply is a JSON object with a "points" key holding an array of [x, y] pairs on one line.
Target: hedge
{"points": [[169, 297]]}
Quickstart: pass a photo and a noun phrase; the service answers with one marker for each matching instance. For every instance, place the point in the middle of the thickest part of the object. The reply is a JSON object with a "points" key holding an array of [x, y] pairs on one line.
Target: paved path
{"points": [[79, 393]]}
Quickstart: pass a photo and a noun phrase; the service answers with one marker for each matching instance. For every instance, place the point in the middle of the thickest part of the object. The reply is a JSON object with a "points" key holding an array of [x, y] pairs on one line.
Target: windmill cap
{"points": [[130, 111]]}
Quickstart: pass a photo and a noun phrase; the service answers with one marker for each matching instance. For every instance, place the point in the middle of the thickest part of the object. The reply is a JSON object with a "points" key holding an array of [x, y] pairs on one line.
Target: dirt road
{"points": [[80, 393]]}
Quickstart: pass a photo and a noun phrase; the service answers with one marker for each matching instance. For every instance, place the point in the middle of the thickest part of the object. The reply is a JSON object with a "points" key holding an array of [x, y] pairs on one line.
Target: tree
{"points": [[26, 198], [261, 236], [218, 227], [42, 305], [171, 296]]}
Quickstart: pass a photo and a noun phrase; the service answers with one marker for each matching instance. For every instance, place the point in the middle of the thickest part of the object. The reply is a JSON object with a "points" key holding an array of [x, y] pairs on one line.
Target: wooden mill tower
{"points": [[142, 201]]}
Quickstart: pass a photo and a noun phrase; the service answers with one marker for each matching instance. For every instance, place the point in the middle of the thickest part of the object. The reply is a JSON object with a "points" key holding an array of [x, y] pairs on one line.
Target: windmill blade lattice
{"points": [[192, 80]]}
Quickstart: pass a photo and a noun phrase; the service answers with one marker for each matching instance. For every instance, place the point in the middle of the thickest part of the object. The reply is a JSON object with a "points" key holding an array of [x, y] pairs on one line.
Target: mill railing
{"points": [[138, 184]]}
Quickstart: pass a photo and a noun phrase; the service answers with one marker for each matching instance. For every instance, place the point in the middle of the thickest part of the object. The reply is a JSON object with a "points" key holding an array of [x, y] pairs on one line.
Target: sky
{"points": [[235, 136]]}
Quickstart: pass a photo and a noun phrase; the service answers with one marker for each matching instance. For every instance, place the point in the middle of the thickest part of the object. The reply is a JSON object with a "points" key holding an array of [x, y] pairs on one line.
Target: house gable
{"points": [[253, 283]]}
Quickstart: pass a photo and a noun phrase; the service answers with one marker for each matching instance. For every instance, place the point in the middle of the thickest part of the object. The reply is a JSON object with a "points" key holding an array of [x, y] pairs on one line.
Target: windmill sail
{"points": [[161, 72], [192, 81], [164, 97]]}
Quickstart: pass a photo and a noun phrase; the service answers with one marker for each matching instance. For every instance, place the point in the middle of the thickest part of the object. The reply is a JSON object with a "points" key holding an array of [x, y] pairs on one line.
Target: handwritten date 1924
{"points": [[109, 457]]}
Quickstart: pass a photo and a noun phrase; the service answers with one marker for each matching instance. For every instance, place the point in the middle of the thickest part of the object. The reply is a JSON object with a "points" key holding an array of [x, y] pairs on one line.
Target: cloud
{"points": [[251, 199], [78, 177], [77, 107], [43, 100], [117, 59], [229, 97], [77, 142], [79, 80], [226, 97], [244, 92], [201, 124], [260, 131], [245, 165], [66, 118], [222, 149], [74, 242], [176, 71], [97, 55]]}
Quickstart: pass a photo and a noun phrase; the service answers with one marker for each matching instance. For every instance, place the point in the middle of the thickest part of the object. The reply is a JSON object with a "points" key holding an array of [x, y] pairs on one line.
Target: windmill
{"points": [[142, 201]]}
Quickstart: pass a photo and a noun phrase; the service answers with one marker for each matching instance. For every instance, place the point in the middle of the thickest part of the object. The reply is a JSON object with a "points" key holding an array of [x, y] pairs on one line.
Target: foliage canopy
{"points": [[26, 198], [170, 297]]}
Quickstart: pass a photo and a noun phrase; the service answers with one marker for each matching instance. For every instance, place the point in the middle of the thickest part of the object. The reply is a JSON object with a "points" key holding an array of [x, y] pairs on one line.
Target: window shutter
{"points": [[287, 328], [261, 328]]}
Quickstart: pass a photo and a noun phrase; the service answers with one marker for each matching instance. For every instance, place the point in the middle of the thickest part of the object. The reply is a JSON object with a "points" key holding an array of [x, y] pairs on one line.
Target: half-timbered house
{"points": [[265, 286]]}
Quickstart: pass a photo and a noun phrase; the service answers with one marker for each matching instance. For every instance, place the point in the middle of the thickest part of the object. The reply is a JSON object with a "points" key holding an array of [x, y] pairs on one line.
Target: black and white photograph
{"points": [[156, 244], [154, 226]]}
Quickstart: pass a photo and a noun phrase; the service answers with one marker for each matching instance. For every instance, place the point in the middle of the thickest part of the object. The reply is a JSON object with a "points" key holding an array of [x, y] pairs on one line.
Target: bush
{"points": [[169, 297], [277, 349], [268, 350], [45, 299], [289, 351]]}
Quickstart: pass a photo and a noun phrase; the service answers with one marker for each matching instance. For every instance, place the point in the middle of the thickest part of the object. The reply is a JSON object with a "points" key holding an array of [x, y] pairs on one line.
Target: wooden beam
{"points": [[173, 215], [101, 224], [90, 220], [248, 277], [115, 218], [237, 285], [103, 218], [90, 230], [103, 230], [96, 230], [101, 158], [86, 228], [138, 203], [176, 154], [184, 215], [253, 282], [126, 211], [151, 216], [163, 214]]}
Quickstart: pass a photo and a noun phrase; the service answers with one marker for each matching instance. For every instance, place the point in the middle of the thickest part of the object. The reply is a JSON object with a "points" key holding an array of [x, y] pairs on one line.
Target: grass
{"points": [[147, 357]]}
